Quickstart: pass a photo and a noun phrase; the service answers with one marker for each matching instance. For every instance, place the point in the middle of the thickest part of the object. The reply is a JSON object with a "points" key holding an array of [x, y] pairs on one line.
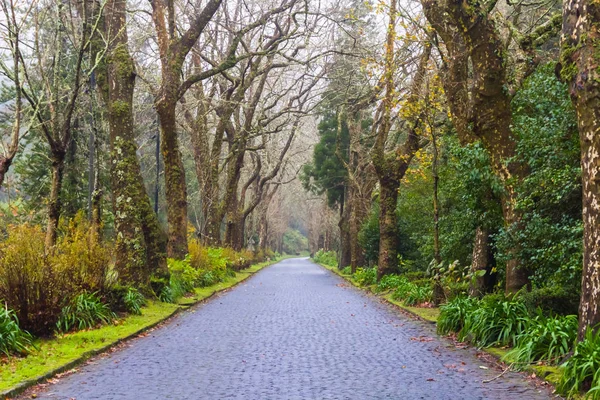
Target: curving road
{"points": [[293, 331]]}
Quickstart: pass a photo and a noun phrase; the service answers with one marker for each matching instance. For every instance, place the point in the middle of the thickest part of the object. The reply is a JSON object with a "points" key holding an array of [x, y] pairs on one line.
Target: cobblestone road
{"points": [[293, 331]]}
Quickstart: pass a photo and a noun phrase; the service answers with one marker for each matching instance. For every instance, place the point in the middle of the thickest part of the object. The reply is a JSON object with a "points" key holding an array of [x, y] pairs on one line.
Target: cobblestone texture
{"points": [[293, 331]]}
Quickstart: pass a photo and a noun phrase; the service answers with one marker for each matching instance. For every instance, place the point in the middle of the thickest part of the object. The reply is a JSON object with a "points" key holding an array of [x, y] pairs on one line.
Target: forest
{"points": [[443, 154]]}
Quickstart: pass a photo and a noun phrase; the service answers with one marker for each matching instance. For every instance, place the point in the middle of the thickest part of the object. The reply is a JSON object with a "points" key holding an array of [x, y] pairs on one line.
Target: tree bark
{"points": [[140, 243], [580, 68], [388, 227], [485, 113], [479, 262], [175, 186], [54, 201]]}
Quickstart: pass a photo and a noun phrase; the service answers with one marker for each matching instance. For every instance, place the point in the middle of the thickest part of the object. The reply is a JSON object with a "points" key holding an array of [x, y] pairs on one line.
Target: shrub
{"points": [[346, 271], [582, 371], [552, 300], [134, 301], [35, 285], [453, 314], [418, 295], [391, 282], [27, 282], [365, 276], [84, 263], [124, 299], [13, 340], [456, 289], [495, 322], [85, 311], [415, 275], [326, 257], [547, 339]]}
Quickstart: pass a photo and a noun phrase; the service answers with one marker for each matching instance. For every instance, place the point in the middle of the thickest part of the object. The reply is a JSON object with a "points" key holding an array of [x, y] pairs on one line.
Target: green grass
{"points": [[202, 293], [55, 353]]}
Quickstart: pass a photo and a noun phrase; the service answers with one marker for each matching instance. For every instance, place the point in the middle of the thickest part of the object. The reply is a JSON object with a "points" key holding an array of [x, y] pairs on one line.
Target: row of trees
{"points": [[223, 88], [465, 70]]}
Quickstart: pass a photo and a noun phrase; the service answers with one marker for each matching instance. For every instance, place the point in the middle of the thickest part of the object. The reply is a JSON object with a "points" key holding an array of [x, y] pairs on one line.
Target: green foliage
{"points": [[365, 276], [346, 271], [412, 293], [13, 340], [418, 295], [547, 339], [84, 311], [368, 238], [496, 321], [134, 301], [294, 242], [326, 257], [551, 228], [581, 371], [391, 281], [552, 300], [326, 174], [35, 285], [454, 313]]}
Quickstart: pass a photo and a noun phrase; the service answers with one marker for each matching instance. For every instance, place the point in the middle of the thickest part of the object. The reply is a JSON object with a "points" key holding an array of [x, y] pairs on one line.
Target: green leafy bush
{"points": [[134, 301], [495, 322], [35, 285], [326, 257], [346, 271], [85, 311], [547, 339], [391, 282], [455, 289], [365, 276], [581, 372], [13, 340], [552, 300], [418, 295], [415, 275], [453, 314]]}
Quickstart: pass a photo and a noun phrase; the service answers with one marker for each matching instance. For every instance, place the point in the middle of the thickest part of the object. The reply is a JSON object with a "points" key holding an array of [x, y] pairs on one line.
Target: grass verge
{"points": [[550, 374], [60, 354]]}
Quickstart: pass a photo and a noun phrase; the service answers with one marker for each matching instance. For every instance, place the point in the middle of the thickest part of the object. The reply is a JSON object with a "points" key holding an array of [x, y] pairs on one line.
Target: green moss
{"points": [[120, 108]]}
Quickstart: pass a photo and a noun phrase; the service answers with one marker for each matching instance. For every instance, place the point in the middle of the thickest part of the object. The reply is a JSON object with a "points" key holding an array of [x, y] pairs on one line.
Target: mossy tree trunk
{"points": [[140, 243], [479, 261], [482, 110], [175, 186], [580, 68], [390, 166], [54, 201], [174, 46]]}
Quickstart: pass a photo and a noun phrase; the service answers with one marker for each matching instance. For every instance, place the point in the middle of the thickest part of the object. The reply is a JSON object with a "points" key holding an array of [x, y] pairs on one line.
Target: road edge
{"points": [[29, 383]]}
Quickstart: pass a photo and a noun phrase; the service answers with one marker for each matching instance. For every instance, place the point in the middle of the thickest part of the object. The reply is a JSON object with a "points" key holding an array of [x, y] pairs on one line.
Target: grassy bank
{"points": [[62, 353]]}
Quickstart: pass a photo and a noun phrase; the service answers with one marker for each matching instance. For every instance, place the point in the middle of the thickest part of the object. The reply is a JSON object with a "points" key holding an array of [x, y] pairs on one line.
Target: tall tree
{"points": [[391, 165], [140, 242], [580, 68], [482, 110]]}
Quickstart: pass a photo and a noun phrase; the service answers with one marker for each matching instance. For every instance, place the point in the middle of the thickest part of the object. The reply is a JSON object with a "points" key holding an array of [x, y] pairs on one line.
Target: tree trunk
{"points": [[357, 258], [479, 262], [485, 112], [140, 243], [580, 68], [175, 187], [54, 201], [388, 228], [5, 163], [345, 256]]}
